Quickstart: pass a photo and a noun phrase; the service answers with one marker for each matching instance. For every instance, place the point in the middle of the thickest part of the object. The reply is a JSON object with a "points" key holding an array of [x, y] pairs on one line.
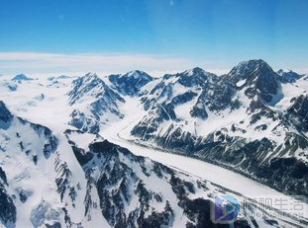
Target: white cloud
{"points": [[302, 70], [34, 63]]}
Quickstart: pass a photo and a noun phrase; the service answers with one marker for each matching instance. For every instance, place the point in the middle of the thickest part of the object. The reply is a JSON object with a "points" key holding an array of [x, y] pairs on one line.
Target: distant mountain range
{"points": [[58, 167]]}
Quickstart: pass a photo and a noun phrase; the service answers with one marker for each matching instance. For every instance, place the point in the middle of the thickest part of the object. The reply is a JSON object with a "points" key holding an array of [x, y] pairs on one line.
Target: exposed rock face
{"points": [[288, 76], [8, 209], [194, 77], [5, 115], [297, 114], [257, 78], [216, 98]]}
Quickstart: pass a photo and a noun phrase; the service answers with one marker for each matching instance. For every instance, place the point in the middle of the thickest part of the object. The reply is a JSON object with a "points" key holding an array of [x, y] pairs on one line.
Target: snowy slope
{"points": [[27, 152]]}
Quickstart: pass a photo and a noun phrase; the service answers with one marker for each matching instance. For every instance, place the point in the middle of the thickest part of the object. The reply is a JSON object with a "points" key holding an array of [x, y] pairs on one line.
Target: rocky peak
{"points": [[195, 71], [247, 69], [196, 77], [91, 76], [131, 82], [89, 79], [93, 86], [84, 85], [137, 74], [92, 93], [256, 77]]}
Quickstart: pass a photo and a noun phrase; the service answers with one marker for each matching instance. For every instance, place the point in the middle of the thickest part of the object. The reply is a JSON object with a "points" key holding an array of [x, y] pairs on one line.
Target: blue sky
{"points": [[158, 35]]}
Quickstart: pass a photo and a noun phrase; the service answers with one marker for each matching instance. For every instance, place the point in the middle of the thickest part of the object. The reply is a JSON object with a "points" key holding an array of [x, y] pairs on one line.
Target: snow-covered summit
{"points": [[195, 71], [256, 78], [246, 69], [137, 74], [90, 85], [93, 101]]}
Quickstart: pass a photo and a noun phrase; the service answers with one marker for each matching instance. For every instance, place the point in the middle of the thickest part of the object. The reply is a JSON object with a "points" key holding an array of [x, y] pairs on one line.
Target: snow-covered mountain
{"points": [[245, 120], [252, 120]]}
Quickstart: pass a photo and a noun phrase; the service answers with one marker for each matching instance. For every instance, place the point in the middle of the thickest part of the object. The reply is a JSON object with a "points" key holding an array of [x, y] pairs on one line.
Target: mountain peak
{"points": [[254, 63], [131, 82], [22, 77], [91, 78], [90, 74], [257, 78], [246, 69], [84, 85], [194, 77], [137, 74], [194, 71]]}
